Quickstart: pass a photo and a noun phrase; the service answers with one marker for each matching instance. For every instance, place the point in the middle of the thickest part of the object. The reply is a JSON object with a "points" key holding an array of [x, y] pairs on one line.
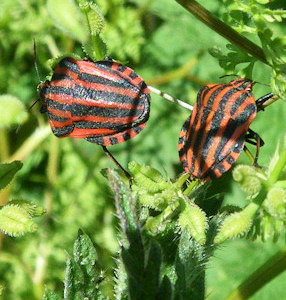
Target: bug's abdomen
{"points": [[213, 137], [106, 102], [110, 108]]}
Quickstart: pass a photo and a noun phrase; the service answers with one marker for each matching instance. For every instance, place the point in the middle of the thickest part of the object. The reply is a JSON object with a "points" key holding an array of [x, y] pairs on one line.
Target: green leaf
{"points": [[15, 221], [85, 255], [93, 16], [142, 263], [82, 278], [14, 111], [95, 47], [152, 269], [31, 208], [68, 18], [190, 264], [165, 290], [73, 281], [8, 171], [50, 295]]}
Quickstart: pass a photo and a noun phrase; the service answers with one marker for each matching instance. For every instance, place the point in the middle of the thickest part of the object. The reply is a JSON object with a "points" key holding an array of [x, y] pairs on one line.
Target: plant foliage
{"points": [[155, 240]]}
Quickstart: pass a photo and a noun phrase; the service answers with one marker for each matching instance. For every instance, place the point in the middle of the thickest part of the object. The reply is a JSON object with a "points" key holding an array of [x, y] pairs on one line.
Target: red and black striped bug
{"points": [[103, 102], [213, 137]]}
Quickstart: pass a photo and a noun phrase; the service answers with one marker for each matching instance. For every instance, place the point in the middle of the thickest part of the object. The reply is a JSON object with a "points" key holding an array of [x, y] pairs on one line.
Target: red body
{"points": [[103, 102], [213, 137]]}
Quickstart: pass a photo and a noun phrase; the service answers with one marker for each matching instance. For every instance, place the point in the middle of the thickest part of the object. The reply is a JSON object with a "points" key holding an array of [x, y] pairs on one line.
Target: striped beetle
{"points": [[213, 137], [103, 102]]}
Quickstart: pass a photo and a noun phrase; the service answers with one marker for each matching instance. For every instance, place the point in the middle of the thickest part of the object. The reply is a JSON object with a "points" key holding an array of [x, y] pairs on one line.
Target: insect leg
{"points": [[261, 101], [258, 142], [130, 178]]}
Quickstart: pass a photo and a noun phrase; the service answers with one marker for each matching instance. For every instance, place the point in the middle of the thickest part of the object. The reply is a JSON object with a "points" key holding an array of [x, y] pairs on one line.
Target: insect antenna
{"points": [[170, 98], [36, 68], [227, 75], [35, 61]]}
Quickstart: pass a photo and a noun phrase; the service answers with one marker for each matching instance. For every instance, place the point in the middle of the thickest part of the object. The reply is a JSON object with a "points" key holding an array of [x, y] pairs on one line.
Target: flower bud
{"points": [[15, 221], [195, 220], [247, 178]]}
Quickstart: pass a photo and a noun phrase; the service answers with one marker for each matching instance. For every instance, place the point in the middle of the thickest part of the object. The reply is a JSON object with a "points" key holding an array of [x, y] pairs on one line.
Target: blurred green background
{"points": [[168, 47]]}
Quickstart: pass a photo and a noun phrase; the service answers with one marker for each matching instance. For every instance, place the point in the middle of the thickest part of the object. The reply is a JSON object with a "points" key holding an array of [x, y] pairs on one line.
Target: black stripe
{"points": [[209, 174], [121, 68], [200, 131], [85, 110], [133, 75], [113, 140], [58, 106], [69, 64], [186, 125], [237, 103], [106, 66], [126, 136], [182, 152], [61, 90], [60, 76], [181, 140], [137, 129], [184, 164], [56, 118], [230, 159], [231, 127], [89, 78], [63, 130], [215, 126], [96, 139], [220, 167], [86, 93], [97, 125], [244, 83]]}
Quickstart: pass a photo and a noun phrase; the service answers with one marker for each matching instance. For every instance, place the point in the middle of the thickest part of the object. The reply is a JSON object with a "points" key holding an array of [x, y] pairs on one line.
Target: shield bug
{"points": [[213, 137], [103, 102]]}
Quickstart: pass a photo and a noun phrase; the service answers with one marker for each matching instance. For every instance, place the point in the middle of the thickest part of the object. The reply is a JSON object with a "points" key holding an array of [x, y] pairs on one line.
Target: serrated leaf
{"points": [[95, 48], [73, 281], [85, 254], [82, 277], [190, 266], [93, 15], [8, 171], [13, 111]]}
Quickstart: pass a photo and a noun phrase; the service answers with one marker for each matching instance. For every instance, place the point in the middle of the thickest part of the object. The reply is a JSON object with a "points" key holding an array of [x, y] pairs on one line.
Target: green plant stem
{"points": [[31, 143], [4, 154], [273, 177], [263, 275], [190, 187], [52, 167], [4, 146], [224, 30], [52, 170], [99, 54]]}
